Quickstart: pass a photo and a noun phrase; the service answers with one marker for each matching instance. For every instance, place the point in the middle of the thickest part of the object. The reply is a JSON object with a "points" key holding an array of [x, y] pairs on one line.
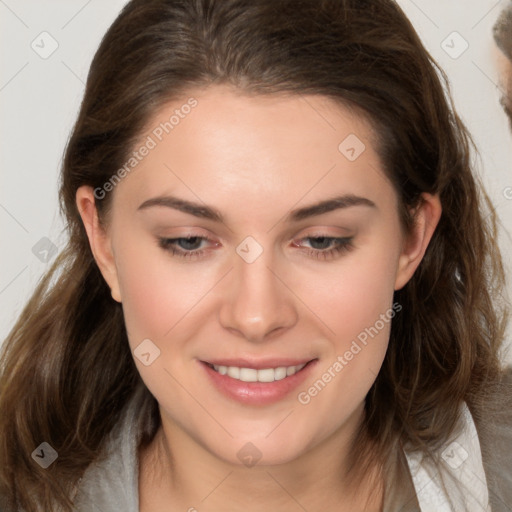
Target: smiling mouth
{"points": [[264, 375]]}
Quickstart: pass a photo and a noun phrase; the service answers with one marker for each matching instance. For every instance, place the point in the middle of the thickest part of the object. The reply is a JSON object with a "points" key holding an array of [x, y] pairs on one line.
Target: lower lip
{"points": [[257, 393]]}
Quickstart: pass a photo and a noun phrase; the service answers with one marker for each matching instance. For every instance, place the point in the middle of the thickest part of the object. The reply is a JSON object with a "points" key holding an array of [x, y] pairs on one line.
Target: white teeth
{"points": [[266, 375], [233, 372], [253, 375], [280, 373], [248, 375]]}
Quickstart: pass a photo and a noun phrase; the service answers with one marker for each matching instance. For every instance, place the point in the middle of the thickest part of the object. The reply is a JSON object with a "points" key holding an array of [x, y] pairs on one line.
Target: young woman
{"points": [[282, 289]]}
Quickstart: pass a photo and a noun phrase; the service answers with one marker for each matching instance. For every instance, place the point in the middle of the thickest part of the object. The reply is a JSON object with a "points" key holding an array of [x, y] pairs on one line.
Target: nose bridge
{"points": [[259, 303]]}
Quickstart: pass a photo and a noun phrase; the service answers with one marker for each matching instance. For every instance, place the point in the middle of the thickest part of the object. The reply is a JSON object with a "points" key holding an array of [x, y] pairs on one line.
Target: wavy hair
{"points": [[66, 368]]}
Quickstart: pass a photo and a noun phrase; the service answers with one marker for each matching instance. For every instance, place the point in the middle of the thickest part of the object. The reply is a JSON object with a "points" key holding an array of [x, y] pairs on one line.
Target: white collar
{"points": [[458, 481]]}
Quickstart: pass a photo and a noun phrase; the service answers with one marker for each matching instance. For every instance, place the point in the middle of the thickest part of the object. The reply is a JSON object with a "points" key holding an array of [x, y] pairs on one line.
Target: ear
{"points": [[99, 239], [426, 217]]}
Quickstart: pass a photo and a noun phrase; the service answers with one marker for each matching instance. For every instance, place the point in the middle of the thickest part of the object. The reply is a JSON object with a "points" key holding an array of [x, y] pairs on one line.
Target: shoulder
{"points": [[495, 436], [111, 483]]}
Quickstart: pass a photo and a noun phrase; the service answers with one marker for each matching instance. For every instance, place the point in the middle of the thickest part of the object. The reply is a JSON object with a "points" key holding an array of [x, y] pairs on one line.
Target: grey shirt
{"points": [[111, 484]]}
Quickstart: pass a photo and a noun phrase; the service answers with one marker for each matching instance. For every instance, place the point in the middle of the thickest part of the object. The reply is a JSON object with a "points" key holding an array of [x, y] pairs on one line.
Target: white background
{"points": [[40, 98]]}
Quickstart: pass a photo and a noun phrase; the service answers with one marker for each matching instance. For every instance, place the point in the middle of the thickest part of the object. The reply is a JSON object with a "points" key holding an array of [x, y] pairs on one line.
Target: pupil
{"points": [[190, 243], [323, 242]]}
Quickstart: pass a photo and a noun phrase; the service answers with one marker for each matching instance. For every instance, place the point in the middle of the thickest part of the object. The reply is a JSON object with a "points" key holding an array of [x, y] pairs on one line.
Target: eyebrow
{"points": [[207, 212]]}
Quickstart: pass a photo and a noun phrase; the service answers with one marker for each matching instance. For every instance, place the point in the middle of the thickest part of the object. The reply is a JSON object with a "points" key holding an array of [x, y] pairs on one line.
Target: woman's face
{"points": [[294, 251]]}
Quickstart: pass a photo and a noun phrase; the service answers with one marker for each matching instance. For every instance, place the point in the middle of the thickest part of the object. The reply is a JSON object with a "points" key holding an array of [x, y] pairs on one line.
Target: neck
{"points": [[177, 470]]}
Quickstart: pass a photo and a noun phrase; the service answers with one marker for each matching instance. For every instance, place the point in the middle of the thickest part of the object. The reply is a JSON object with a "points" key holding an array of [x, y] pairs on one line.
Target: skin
{"points": [[256, 158], [504, 65]]}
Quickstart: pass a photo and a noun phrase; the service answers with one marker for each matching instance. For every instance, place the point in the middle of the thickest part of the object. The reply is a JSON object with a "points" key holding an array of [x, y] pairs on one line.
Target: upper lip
{"points": [[259, 364]]}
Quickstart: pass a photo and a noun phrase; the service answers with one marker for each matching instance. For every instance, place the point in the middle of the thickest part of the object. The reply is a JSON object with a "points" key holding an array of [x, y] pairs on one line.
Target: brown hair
{"points": [[503, 36], [67, 371]]}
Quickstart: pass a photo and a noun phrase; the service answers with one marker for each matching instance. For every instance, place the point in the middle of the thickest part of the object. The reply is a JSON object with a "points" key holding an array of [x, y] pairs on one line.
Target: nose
{"points": [[257, 304]]}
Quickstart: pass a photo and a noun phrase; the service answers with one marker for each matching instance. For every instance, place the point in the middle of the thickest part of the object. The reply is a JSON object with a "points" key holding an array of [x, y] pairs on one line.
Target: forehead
{"points": [[260, 146], [223, 111]]}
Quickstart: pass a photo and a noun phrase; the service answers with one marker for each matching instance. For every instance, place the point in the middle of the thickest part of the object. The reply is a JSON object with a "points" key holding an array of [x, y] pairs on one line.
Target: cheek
{"points": [[355, 293], [356, 304], [160, 302], [156, 292]]}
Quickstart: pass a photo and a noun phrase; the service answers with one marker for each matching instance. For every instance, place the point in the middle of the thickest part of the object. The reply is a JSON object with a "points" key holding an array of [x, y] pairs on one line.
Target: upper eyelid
{"points": [[310, 233], [307, 226]]}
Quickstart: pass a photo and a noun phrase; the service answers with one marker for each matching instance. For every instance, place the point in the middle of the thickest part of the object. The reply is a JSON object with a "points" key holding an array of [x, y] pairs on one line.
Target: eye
{"points": [[326, 247], [321, 247], [185, 247]]}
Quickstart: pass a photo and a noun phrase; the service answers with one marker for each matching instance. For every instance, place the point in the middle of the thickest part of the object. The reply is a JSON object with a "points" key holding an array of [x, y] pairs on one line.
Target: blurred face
{"points": [[505, 73], [503, 55], [255, 248]]}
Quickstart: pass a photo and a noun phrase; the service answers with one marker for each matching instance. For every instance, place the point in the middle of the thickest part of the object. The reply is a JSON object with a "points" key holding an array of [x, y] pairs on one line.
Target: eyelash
{"points": [[342, 245]]}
